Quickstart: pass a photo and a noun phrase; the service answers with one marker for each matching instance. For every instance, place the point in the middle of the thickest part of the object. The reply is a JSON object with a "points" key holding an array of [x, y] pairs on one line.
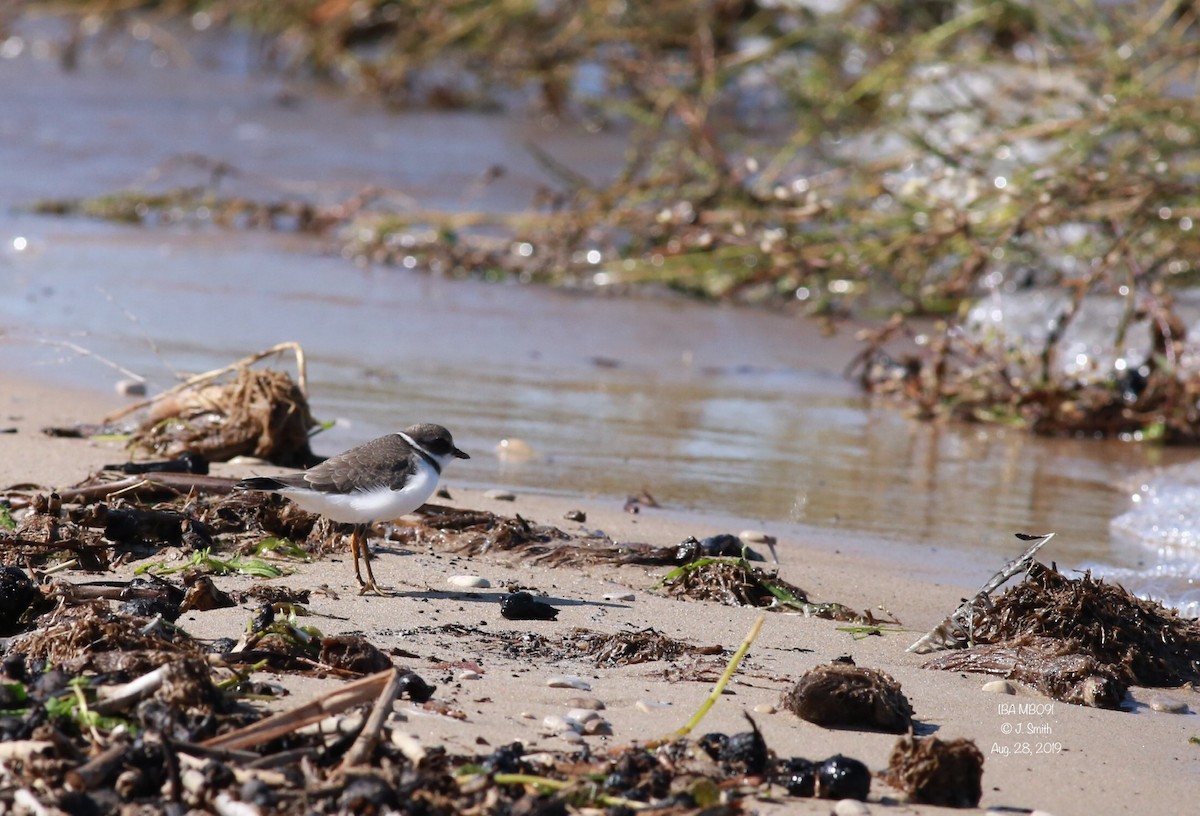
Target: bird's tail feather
{"points": [[260, 483]]}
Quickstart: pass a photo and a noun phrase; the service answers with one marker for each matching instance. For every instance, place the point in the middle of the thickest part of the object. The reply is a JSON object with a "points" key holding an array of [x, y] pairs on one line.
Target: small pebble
{"points": [[582, 715], [500, 495], [469, 674], [569, 681], [592, 703], [619, 596], [850, 807], [528, 715], [469, 581], [572, 737], [765, 708], [575, 515], [1000, 687], [131, 388], [651, 705], [597, 727], [1168, 705], [514, 450], [557, 724]]}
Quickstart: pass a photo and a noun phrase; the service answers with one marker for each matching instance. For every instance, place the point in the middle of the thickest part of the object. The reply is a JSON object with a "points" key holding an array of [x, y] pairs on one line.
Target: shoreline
{"points": [[1110, 761]]}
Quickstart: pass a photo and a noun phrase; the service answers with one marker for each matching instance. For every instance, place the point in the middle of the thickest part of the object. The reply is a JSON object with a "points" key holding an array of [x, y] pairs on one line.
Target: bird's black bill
{"points": [[461, 454]]}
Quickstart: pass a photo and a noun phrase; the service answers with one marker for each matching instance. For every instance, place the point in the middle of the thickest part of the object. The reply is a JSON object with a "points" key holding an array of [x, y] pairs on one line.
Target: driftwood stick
{"points": [[958, 630], [142, 486], [360, 752], [335, 702], [97, 770], [119, 698]]}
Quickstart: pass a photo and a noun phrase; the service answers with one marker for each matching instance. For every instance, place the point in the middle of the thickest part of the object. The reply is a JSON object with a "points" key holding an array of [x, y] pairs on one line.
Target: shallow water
{"points": [[727, 410]]}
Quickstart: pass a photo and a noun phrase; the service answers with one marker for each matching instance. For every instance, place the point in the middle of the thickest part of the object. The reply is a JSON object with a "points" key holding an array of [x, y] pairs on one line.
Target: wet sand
{"points": [[1099, 761]]}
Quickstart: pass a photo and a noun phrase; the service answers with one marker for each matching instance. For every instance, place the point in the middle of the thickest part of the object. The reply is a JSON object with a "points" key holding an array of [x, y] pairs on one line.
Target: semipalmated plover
{"points": [[381, 480]]}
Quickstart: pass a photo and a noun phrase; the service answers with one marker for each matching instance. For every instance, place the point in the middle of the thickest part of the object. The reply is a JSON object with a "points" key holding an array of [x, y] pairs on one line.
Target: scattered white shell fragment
{"points": [[500, 495], [469, 674], [619, 596], [1168, 705], [999, 687], [568, 681], [528, 715], [469, 581], [514, 450], [651, 705], [851, 807], [765, 708]]}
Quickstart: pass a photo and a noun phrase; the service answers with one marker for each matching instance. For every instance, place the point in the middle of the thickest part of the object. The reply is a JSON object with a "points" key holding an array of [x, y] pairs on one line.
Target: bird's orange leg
{"points": [[358, 544]]}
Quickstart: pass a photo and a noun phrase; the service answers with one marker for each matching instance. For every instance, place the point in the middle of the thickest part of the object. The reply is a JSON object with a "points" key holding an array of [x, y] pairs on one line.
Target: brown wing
{"points": [[382, 462]]}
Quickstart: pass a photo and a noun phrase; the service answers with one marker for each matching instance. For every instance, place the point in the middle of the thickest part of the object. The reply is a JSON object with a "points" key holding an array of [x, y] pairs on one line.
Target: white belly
{"points": [[381, 504]]}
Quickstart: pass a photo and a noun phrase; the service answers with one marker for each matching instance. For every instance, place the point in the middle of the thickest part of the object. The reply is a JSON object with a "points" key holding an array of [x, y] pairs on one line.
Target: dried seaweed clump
{"points": [[734, 582], [472, 533], [1081, 641], [1149, 644], [92, 637], [846, 696], [948, 773], [259, 413], [628, 648]]}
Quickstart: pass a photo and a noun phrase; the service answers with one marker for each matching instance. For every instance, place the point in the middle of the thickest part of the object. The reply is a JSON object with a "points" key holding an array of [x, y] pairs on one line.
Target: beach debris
{"points": [[1167, 705], [637, 646], [843, 777], [469, 581], [575, 515], [735, 582], [847, 696], [17, 593], [797, 774], [636, 501], [957, 631], [498, 494], [758, 537], [353, 654], [186, 462], [744, 753], [568, 681], [231, 411], [523, 606], [619, 597], [932, 771], [1078, 640]]}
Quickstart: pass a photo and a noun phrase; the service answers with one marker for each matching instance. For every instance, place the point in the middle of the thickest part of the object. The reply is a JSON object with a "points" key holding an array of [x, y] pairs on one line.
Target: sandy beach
{"points": [[1039, 754]]}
